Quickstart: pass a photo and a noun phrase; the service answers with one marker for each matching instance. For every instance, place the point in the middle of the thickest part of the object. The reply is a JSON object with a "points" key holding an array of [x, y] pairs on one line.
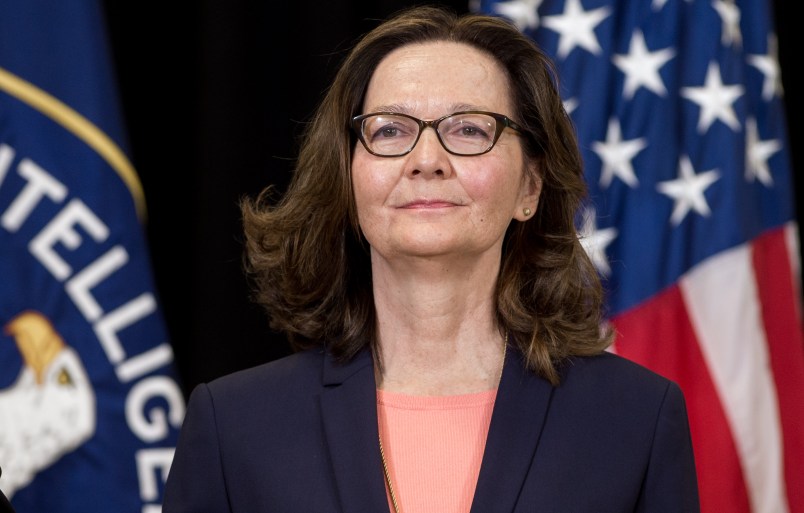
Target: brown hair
{"points": [[310, 264]]}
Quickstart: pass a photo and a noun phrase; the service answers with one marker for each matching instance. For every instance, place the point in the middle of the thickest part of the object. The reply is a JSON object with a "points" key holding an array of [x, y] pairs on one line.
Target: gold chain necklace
{"points": [[388, 479], [387, 474]]}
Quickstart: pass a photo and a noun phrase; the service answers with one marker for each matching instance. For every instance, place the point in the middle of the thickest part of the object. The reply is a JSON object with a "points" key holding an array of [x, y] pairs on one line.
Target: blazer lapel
{"points": [[516, 425], [349, 413]]}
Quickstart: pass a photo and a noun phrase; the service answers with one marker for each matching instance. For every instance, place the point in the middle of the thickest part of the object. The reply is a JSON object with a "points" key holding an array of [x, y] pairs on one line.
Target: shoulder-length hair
{"points": [[310, 264]]}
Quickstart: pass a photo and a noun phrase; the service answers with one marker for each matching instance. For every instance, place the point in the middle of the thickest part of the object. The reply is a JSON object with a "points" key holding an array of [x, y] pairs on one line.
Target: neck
{"points": [[436, 326], [448, 367]]}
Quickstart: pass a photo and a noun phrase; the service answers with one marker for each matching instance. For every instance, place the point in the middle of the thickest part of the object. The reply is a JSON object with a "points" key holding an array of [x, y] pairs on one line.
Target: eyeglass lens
{"points": [[463, 133]]}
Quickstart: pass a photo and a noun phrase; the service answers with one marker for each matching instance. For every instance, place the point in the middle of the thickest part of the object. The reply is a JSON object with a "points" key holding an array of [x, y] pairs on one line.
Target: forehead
{"points": [[436, 78]]}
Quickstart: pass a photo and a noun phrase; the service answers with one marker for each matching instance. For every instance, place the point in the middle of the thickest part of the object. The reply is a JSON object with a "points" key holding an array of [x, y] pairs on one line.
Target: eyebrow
{"points": [[399, 108]]}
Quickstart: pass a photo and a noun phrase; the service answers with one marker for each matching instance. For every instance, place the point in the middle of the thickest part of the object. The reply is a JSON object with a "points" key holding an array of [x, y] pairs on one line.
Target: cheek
{"points": [[368, 185], [360, 176], [495, 185]]}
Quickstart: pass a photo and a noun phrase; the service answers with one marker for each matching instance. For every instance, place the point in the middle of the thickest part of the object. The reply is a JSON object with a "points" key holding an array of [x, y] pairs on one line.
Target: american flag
{"points": [[691, 223]]}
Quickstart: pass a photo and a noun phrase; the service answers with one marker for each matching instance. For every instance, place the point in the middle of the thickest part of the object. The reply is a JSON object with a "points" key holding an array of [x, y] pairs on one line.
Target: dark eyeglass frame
{"points": [[502, 122]]}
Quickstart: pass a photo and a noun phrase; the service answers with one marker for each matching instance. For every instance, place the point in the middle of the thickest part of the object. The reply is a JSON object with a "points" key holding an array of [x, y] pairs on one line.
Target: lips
{"points": [[429, 204]]}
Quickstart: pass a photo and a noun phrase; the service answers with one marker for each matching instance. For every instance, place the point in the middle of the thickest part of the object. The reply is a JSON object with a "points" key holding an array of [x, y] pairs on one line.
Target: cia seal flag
{"points": [[90, 406]]}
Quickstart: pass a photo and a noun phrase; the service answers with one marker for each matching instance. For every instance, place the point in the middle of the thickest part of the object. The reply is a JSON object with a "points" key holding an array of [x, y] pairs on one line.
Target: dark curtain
{"points": [[215, 94]]}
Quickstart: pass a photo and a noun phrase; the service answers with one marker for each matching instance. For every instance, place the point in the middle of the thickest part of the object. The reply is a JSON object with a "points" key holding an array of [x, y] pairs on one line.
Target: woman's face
{"points": [[430, 203]]}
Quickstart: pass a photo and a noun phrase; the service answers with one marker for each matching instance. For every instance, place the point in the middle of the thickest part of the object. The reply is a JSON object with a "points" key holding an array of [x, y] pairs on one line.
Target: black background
{"points": [[214, 95]]}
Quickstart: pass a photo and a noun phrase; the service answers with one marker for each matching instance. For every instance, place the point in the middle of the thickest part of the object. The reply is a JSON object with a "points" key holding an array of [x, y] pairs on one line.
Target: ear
{"points": [[529, 195]]}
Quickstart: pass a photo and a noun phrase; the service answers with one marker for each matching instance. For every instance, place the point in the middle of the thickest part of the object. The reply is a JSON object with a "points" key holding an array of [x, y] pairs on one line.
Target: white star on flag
{"points": [[768, 65], [523, 13], [570, 104], [757, 154], [617, 154], [641, 67], [576, 27], [715, 99], [688, 190], [730, 15], [595, 241]]}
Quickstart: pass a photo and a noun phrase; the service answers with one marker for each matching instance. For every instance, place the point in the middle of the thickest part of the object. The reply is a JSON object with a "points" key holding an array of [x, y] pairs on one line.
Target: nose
{"points": [[429, 158]]}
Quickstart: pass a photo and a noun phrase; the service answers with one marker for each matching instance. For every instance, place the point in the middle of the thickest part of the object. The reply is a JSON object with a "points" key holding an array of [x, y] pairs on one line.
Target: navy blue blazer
{"points": [[300, 434]]}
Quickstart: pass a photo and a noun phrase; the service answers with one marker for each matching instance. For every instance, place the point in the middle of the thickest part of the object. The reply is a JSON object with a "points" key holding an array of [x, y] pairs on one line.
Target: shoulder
{"points": [[611, 384], [610, 371], [244, 405], [297, 373]]}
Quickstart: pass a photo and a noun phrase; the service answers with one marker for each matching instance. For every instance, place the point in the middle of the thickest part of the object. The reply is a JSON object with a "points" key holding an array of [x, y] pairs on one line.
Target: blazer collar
{"points": [[520, 410], [349, 412]]}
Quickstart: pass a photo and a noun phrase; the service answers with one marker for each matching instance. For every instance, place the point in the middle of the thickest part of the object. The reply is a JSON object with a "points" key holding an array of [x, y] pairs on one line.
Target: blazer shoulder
{"points": [[298, 371], [611, 373]]}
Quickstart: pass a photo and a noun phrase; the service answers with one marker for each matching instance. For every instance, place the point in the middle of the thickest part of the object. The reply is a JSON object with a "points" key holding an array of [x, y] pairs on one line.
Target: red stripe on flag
{"points": [[659, 335], [786, 347]]}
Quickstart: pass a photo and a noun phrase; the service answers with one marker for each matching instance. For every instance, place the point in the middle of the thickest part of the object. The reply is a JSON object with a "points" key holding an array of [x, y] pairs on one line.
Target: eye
{"points": [[389, 127], [467, 129], [388, 131], [471, 131]]}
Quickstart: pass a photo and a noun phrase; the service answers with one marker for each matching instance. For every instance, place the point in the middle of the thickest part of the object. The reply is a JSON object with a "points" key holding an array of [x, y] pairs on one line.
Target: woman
{"points": [[425, 264]]}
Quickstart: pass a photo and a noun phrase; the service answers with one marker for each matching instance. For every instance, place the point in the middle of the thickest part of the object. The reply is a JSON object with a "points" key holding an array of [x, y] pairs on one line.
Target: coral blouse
{"points": [[433, 447]]}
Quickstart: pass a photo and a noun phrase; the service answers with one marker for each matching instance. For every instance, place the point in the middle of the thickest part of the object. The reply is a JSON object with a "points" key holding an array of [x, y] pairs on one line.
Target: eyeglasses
{"points": [[390, 134]]}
